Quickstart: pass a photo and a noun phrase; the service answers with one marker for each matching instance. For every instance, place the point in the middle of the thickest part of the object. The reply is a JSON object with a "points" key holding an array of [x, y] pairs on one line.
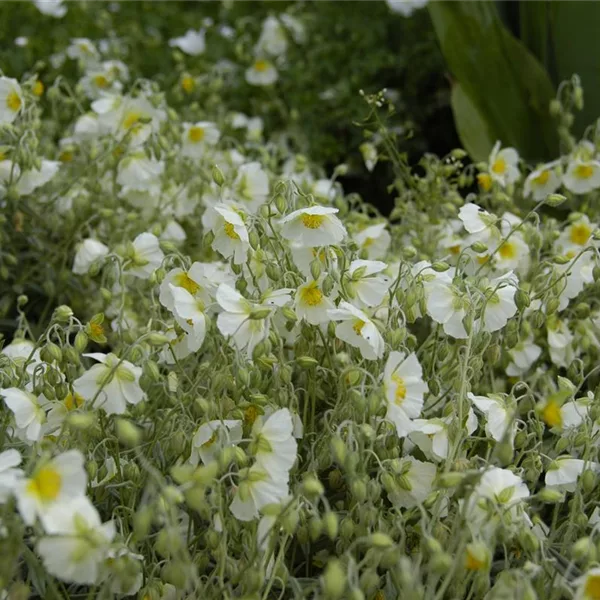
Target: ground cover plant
{"points": [[222, 376]]}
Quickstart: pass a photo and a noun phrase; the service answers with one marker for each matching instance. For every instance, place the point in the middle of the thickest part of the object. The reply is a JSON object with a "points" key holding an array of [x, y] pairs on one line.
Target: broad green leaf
{"points": [[534, 29], [574, 28], [472, 128], [499, 76]]}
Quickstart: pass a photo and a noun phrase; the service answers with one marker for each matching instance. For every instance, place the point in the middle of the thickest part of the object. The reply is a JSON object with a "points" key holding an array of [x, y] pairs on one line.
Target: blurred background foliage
{"points": [[316, 102]]}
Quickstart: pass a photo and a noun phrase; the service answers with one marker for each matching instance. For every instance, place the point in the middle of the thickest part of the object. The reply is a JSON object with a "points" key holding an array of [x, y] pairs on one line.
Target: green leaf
{"points": [[472, 128], [574, 35], [501, 79]]}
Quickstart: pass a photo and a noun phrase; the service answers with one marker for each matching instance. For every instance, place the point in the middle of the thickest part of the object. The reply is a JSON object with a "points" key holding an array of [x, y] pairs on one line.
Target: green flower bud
{"points": [[555, 200], [331, 525], [63, 313], [129, 434], [217, 175], [334, 580]]}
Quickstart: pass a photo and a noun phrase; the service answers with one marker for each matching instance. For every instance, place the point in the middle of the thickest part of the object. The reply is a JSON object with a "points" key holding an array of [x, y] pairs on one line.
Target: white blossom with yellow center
{"points": [[313, 226], [11, 99]]}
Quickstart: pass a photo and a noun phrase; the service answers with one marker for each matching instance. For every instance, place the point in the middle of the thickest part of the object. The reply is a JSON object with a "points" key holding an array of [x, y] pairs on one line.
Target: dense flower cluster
{"points": [[249, 384]]}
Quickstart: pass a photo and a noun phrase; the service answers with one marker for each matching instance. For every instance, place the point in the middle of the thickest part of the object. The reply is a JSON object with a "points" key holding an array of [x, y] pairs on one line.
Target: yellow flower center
{"points": [[583, 171], [592, 587], [101, 81], [250, 415], [261, 65], [187, 283], [483, 259], [38, 88], [45, 484], [358, 325], [551, 414], [196, 134], [131, 119], [73, 401], [13, 101], [368, 242], [229, 230], [96, 329], [499, 166], [312, 221], [472, 562], [312, 295], [484, 181], [455, 249], [213, 438], [66, 156], [580, 234], [508, 251], [542, 178], [400, 389], [188, 84]]}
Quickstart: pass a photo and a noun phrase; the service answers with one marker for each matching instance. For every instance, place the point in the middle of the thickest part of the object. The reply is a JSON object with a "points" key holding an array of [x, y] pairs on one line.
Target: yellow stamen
{"points": [[507, 251], [312, 295], [66, 156], [580, 234], [101, 81], [484, 181], [196, 134], [472, 563], [96, 329], [13, 101], [483, 259], [592, 587], [499, 166], [73, 401], [551, 414], [455, 250], [45, 484], [542, 178], [400, 389], [211, 440], [358, 325], [312, 221], [261, 65], [583, 171], [187, 283], [250, 415], [188, 84], [38, 88], [131, 119], [229, 230]]}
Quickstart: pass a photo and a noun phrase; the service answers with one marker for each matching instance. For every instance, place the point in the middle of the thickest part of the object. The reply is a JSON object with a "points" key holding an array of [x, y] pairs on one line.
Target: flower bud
{"points": [[129, 434], [63, 313], [331, 525], [334, 580]]}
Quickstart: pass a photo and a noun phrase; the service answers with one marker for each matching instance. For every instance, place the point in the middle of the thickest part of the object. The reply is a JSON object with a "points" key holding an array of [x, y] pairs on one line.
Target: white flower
{"points": [[311, 304], [273, 39], [52, 8], [140, 173], [375, 240], [83, 49], [415, 482], [262, 72], [251, 186], [189, 313], [19, 351], [564, 471], [504, 165], [87, 253], [274, 444], [404, 390], [313, 226], [576, 236], [231, 235], [173, 232], [113, 383], [197, 137], [560, 342], [405, 7], [77, 541], [147, 256], [52, 484], [523, 355], [368, 282], [505, 491], [11, 99], [9, 474], [582, 176], [191, 43], [33, 179], [236, 321], [447, 306], [543, 181], [256, 491], [500, 305], [476, 220], [124, 570], [357, 330], [212, 437], [29, 412], [500, 418]]}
